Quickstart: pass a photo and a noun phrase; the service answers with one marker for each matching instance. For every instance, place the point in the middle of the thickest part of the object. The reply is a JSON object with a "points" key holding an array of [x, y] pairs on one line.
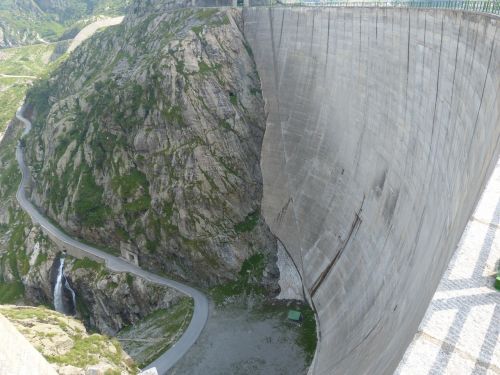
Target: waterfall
{"points": [[73, 297], [61, 283], [58, 290]]}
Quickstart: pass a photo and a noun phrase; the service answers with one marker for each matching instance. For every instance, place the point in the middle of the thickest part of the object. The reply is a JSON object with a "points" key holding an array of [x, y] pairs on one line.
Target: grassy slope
{"points": [[148, 339], [85, 350], [22, 61], [29, 61], [53, 23]]}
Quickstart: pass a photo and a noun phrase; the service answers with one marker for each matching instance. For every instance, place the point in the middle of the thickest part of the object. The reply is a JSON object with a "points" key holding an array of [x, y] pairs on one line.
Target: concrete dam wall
{"points": [[383, 127]]}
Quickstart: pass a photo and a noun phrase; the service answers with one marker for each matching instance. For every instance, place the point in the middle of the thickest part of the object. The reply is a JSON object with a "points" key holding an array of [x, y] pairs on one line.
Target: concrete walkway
{"points": [[17, 355], [200, 314], [460, 331]]}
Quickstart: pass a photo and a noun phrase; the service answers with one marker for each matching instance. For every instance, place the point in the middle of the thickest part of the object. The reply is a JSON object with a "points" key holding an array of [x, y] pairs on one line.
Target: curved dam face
{"points": [[383, 127]]}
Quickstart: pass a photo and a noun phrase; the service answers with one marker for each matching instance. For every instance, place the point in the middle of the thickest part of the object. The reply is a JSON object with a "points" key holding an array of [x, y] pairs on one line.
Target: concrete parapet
{"points": [[17, 355]]}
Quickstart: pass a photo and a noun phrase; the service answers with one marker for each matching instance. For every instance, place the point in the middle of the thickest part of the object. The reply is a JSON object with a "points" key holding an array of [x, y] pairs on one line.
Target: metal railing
{"points": [[488, 6], [481, 6]]}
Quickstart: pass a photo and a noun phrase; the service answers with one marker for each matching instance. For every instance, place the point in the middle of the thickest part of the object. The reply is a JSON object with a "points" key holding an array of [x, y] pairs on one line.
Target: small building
{"points": [[294, 316], [129, 253], [497, 281]]}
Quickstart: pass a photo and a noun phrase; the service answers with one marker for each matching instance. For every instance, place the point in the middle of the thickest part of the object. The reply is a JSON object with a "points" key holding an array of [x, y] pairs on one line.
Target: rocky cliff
{"points": [[148, 138], [105, 301]]}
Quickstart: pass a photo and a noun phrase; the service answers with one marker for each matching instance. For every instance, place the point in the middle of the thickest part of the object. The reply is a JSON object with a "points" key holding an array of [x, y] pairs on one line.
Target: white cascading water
{"points": [[61, 283], [58, 290], [73, 297]]}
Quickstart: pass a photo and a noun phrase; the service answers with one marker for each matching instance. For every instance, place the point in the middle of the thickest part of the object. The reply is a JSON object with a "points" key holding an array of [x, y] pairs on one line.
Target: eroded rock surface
{"points": [[149, 137]]}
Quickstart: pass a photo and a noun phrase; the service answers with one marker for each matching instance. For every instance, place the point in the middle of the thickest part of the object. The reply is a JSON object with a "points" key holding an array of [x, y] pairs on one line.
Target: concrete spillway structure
{"points": [[383, 127]]}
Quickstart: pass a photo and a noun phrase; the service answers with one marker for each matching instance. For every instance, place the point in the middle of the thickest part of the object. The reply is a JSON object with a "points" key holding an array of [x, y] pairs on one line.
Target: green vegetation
{"points": [[173, 115], [26, 64], [16, 258], [205, 68], [89, 206], [30, 61], [247, 283], [53, 20], [87, 263], [149, 338], [11, 292], [41, 258], [206, 14], [197, 29], [86, 349], [9, 181], [226, 126], [130, 280], [27, 313], [212, 17], [249, 223], [128, 185], [306, 338], [12, 92], [134, 190], [9, 173], [233, 98], [83, 309]]}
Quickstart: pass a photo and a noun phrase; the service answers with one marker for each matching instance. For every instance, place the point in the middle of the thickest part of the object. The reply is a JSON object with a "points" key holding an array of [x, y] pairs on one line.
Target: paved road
{"points": [[89, 30], [200, 314], [11, 76]]}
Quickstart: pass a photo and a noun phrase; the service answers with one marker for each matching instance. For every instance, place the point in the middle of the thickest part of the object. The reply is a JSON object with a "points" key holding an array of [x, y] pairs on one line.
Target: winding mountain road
{"points": [[14, 76], [200, 314]]}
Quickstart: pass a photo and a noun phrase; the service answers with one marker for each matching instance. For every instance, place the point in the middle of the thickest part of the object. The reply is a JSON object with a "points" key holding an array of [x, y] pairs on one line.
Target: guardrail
{"points": [[481, 6], [489, 6]]}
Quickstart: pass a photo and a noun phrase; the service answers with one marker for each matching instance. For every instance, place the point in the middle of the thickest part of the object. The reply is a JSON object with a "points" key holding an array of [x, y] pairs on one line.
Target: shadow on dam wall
{"points": [[382, 130]]}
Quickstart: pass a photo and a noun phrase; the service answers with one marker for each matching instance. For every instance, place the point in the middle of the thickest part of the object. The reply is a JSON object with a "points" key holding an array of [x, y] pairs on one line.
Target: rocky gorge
{"points": [[148, 139], [105, 301]]}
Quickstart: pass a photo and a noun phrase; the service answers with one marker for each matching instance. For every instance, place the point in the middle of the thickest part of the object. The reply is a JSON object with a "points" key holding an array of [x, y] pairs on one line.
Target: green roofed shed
{"points": [[497, 281], [295, 315]]}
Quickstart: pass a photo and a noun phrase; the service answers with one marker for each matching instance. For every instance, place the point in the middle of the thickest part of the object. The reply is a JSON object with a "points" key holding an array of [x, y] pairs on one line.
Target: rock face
{"points": [[148, 137]]}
